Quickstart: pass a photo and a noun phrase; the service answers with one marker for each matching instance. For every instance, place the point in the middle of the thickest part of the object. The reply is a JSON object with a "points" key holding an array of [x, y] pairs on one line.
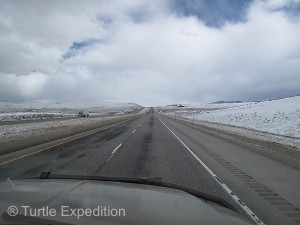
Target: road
{"points": [[155, 146]]}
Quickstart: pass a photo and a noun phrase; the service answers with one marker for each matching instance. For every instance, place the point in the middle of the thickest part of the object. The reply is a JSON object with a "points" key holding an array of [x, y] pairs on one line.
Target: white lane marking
{"points": [[116, 149], [133, 131], [140, 125], [226, 188]]}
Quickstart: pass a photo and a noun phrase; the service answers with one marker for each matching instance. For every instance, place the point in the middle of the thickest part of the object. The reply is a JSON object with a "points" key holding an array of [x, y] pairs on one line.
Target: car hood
{"points": [[142, 204]]}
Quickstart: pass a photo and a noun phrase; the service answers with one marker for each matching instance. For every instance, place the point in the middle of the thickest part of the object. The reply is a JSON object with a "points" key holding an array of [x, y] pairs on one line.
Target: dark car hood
{"points": [[143, 204]]}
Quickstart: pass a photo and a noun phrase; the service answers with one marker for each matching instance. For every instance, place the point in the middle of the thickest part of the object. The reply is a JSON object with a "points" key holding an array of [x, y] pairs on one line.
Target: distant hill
{"points": [[222, 102]]}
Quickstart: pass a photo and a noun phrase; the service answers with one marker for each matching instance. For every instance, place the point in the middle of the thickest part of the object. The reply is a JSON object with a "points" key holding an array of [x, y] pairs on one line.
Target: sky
{"points": [[149, 52]]}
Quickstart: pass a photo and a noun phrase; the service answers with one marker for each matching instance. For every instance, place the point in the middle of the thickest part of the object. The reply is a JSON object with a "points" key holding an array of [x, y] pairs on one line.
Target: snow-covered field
{"points": [[278, 117], [15, 132], [41, 110], [31, 112]]}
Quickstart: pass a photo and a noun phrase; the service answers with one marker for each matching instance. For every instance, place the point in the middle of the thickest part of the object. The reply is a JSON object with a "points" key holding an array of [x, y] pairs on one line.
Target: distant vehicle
{"points": [[83, 114]]}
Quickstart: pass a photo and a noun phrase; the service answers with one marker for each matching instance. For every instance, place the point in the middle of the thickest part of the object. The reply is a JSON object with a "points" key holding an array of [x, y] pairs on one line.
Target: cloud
{"points": [[22, 87], [146, 52]]}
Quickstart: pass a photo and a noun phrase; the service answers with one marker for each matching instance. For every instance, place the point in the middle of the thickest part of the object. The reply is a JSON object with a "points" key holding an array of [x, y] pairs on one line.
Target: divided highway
{"points": [[155, 146]]}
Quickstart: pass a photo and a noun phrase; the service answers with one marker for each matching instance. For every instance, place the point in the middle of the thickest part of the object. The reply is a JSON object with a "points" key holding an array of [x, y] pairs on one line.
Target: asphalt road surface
{"points": [[155, 146]]}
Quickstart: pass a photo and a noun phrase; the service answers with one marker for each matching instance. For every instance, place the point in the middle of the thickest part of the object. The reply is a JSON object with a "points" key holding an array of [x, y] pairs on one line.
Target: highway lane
{"points": [[81, 156], [148, 150], [145, 147], [267, 186]]}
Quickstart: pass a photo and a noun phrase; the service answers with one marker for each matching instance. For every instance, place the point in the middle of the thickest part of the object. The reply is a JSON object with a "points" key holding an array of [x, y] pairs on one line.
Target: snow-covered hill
{"points": [[280, 116], [277, 116]]}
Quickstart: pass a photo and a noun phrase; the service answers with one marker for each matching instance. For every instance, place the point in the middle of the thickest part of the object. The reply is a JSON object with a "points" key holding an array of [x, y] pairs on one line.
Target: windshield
{"points": [[202, 95]]}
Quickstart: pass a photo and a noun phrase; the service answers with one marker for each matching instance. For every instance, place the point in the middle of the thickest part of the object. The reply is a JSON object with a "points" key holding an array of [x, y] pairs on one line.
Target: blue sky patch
{"points": [[105, 20], [214, 13], [139, 14], [292, 9], [79, 47]]}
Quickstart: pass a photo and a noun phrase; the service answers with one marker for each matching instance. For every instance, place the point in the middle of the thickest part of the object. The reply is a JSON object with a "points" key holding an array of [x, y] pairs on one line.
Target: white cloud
{"points": [[164, 59], [29, 86]]}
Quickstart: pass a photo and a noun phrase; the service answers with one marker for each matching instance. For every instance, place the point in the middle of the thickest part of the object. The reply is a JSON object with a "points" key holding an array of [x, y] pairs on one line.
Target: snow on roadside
{"points": [[44, 110], [30, 116], [275, 120], [18, 131], [39, 117], [280, 116], [253, 134], [21, 131]]}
